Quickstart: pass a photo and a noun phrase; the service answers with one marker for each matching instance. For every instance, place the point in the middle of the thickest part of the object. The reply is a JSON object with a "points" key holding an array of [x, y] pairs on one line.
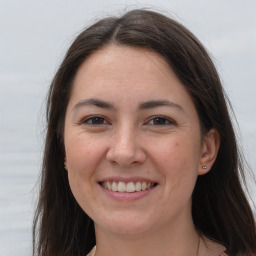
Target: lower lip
{"points": [[120, 196]]}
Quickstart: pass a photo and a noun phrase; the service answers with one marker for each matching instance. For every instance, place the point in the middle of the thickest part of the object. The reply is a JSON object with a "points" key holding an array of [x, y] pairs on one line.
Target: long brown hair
{"points": [[220, 209]]}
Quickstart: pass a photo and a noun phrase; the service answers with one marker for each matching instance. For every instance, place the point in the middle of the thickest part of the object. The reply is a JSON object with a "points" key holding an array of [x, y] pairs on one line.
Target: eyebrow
{"points": [[94, 102], [160, 103], [145, 105]]}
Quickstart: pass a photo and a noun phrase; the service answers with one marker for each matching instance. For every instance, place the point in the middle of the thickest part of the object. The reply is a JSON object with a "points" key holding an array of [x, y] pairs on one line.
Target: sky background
{"points": [[34, 36]]}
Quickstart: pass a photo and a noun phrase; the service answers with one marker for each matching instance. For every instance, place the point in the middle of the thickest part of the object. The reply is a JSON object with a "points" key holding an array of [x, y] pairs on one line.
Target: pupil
{"points": [[97, 120], [159, 120]]}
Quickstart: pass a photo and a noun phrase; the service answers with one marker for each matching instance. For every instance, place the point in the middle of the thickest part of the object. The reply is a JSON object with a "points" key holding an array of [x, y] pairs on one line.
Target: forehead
{"points": [[120, 72], [109, 61], [124, 64]]}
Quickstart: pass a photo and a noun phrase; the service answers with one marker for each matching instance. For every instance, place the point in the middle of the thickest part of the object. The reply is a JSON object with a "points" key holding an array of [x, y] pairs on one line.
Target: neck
{"points": [[165, 241]]}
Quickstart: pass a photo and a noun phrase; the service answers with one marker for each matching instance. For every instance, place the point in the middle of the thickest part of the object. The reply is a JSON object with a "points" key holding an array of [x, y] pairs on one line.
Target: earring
{"points": [[204, 167]]}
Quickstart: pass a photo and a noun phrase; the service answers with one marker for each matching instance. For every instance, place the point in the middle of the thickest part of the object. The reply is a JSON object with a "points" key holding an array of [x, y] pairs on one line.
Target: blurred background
{"points": [[34, 36]]}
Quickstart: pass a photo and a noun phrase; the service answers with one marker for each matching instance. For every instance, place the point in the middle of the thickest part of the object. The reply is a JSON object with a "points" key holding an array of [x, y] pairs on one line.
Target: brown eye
{"points": [[95, 120], [160, 121]]}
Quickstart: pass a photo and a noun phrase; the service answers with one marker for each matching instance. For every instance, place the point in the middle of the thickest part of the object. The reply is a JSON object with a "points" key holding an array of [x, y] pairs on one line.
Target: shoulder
{"points": [[92, 252], [211, 248]]}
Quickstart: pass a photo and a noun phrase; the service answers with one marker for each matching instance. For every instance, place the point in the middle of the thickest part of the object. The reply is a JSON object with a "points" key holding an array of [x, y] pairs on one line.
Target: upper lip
{"points": [[126, 179]]}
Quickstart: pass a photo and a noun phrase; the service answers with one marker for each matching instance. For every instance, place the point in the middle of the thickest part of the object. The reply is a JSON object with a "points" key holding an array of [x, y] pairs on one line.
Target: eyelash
{"points": [[167, 121], [89, 121], [164, 121]]}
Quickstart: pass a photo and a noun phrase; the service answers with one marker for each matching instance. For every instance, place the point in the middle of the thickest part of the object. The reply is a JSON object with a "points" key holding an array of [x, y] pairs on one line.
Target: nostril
{"points": [[126, 156]]}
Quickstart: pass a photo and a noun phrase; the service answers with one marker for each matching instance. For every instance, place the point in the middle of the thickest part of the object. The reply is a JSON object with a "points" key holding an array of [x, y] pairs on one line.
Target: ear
{"points": [[209, 151], [65, 163]]}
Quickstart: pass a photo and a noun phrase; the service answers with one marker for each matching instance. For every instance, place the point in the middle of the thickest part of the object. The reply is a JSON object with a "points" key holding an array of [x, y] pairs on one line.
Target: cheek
{"points": [[176, 152], [81, 154], [177, 160], [82, 158]]}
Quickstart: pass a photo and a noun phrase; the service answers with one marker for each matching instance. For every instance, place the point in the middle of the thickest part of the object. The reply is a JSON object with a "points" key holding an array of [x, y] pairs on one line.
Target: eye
{"points": [[160, 121], [94, 120]]}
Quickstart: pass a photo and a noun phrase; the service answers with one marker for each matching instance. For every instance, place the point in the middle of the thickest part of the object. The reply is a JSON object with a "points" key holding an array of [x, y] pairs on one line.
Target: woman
{"points": [[140, 156]]}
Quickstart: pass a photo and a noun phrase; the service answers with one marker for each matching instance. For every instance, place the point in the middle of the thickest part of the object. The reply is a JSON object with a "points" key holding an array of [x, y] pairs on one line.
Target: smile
{"points": [[129, 187]]}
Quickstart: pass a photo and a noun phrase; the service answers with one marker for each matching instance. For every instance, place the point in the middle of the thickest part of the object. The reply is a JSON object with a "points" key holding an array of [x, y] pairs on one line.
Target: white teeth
{"points": [[109, 185], [138, 186], [143, 186], [129, 187], [121, 187], [114, 186]]}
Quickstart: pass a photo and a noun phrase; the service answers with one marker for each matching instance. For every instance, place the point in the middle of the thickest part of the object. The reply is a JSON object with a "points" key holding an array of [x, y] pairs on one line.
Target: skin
{"points": [[125, 140]]}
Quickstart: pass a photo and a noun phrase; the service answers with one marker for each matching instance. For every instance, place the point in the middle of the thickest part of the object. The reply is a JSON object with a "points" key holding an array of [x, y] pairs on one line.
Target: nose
{"points": [[125, 148]]}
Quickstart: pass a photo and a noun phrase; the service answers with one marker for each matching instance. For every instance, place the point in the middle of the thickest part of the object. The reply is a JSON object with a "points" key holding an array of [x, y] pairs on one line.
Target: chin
{"points": [[126, 226]]}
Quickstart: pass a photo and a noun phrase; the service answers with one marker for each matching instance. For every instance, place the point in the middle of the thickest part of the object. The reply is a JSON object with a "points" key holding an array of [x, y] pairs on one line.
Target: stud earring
{"points": [[204, 167]]}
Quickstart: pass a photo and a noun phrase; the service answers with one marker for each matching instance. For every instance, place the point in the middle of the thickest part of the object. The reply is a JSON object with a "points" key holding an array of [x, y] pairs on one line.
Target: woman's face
{"points": [[132, 140]]}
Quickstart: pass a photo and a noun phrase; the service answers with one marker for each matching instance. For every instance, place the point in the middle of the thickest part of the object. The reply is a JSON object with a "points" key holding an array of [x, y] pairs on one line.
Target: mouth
{"points": [[127, 187]]}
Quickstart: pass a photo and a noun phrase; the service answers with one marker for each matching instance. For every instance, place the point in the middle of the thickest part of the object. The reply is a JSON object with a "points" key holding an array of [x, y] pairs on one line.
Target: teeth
{"points": [[129, 187], [114, 186], [109, 185], [143, 186], [138, 186], [121, 187]]}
